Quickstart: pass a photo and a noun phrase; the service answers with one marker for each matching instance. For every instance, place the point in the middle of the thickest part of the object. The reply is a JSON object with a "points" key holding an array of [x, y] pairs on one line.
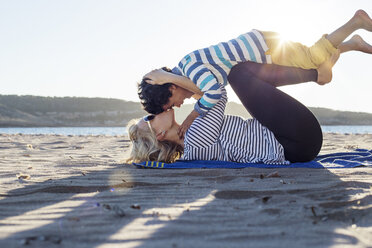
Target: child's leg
{"points": [[294, 126], [356, 43], [298, 55], [295, 54], [360, 20]]}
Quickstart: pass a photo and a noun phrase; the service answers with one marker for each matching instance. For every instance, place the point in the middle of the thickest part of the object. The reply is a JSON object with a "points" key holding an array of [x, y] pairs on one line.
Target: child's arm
{"points": [[160, 76], [202, 81], [196, 96]]}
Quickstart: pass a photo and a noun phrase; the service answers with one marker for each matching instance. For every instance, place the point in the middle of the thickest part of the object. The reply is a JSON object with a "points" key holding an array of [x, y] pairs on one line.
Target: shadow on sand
{"points": [[128, 207]]}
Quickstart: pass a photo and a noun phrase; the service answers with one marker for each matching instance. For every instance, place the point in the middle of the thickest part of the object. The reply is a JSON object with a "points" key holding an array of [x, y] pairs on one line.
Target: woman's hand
{"points": [[158, 76]]}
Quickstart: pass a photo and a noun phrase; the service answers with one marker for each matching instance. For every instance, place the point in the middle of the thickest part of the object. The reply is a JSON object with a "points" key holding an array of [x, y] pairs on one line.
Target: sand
{"points": [[75, 191]]}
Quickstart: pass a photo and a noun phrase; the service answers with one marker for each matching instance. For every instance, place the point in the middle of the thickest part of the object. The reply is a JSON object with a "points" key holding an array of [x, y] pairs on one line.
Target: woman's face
{"points": [[162, 122]]}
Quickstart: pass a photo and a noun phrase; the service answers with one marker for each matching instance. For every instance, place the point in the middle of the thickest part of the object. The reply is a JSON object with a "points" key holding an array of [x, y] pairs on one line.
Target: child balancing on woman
{"points": [[203, 71]]}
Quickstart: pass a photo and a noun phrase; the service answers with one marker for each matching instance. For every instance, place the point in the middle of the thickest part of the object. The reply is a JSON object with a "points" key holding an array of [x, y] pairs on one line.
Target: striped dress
{"points": [[230, 138], [208, 68]]}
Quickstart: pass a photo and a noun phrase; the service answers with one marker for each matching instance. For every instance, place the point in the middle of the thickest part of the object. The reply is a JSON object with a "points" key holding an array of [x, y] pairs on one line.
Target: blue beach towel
{"points": [[357, 158]]}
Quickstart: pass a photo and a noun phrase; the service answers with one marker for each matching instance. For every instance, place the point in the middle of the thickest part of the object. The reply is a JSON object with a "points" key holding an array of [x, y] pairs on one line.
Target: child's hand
{"points": [[158, 76], [187, 123]]}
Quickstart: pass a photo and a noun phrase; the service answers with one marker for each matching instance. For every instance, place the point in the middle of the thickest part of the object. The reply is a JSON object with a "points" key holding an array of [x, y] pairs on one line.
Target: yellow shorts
{"points": [[296, 54]]}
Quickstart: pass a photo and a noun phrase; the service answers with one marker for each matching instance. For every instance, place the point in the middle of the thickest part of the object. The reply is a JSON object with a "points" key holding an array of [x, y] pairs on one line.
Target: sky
{"points": [[103, 48]]}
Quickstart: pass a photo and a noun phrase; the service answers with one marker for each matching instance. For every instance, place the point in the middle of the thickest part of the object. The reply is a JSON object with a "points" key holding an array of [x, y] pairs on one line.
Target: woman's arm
{"points": [[205, 131], [160, 76]]}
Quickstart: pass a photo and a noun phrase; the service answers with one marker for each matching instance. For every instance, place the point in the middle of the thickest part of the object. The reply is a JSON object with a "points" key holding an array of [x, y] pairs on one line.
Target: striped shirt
{"points": [[230, 138], [208, 68]]}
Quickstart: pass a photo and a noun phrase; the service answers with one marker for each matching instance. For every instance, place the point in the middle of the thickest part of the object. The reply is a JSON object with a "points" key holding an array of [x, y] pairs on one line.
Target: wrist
{"points": [[194, 114]]}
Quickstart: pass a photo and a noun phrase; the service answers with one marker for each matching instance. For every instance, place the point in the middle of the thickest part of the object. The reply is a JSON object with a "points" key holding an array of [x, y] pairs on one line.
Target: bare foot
{"points": [[362, 20], [325, 69], [359, 44]]}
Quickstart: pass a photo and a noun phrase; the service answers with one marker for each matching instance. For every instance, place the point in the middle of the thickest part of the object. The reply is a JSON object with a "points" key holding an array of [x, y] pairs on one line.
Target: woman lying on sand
{"points": [[282, 129], [208, 68]]}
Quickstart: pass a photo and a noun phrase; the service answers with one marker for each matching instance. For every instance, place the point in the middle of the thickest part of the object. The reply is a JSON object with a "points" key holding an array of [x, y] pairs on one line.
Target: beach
{"points": [[77, 191]]}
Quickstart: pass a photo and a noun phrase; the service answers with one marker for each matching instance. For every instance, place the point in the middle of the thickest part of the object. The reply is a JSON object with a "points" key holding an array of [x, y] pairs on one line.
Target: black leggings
{"points": [[293, 125]]}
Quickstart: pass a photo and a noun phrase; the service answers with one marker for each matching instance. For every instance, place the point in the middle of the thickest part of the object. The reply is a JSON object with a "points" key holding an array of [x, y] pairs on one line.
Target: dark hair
{"points": [[154, 97]]}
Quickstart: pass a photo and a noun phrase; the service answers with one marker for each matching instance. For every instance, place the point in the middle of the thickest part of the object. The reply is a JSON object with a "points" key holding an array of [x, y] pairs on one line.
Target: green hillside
{"points": [[66, 111], [36, 111]]}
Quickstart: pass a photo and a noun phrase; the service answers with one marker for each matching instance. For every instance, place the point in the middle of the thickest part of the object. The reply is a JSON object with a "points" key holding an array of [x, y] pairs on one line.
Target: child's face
{"points": [[178, 96]]}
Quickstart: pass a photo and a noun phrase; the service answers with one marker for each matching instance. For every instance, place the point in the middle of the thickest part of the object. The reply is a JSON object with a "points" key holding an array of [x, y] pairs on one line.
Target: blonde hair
{"points": [[145, 146]]}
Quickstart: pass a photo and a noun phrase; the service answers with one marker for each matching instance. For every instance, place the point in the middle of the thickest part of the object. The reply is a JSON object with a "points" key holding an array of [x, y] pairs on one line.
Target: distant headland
{"points": [[37, 111]]}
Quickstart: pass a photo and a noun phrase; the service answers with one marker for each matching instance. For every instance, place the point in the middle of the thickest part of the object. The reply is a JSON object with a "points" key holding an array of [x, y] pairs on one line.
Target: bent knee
{"points": [[238, 72], [304, 151]]}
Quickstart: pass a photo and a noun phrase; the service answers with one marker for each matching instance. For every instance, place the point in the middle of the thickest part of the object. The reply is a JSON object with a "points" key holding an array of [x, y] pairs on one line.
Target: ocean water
{"points": [[347, 129], [123, 131], [66, 130]]}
